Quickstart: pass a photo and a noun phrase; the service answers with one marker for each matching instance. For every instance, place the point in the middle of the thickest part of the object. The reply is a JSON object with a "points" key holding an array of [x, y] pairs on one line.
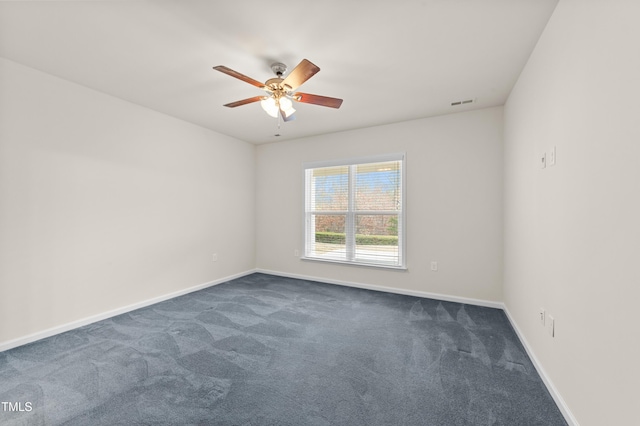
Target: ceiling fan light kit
{"points": [[273, 107], [279, 101]]}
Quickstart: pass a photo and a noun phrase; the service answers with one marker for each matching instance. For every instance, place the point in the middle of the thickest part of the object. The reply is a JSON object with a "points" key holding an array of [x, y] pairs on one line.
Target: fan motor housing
{"points": [[275, 85]]}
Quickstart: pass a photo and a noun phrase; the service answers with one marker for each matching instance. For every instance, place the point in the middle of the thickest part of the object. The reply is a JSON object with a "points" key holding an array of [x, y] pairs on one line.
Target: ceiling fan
{"points": [[280, 91]]}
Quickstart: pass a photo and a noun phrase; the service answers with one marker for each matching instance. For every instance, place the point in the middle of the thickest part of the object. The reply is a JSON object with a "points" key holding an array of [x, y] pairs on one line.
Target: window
{"points": [[354, 211]]}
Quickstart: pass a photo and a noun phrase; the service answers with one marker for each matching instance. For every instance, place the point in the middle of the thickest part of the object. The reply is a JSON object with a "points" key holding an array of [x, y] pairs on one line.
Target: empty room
{"points": [[419, 212]]}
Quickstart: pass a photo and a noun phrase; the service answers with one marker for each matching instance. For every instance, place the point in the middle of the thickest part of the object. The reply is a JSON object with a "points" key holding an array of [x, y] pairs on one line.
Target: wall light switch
{"points": [[543, 160], [550, 325], [542, 315], [552, 156], [434, 266]]}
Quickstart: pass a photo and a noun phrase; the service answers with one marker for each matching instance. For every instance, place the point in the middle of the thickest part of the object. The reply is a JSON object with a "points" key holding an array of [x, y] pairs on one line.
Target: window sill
{"points": [[344, 262]]}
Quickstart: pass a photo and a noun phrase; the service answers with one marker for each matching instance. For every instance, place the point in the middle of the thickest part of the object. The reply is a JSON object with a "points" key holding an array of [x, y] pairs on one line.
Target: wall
{"points": [[572, 231], [454, 203], [104, 203]]}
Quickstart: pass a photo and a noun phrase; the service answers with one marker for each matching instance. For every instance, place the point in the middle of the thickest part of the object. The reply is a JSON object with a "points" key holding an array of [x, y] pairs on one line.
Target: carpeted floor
{"points": [[266, 350]]}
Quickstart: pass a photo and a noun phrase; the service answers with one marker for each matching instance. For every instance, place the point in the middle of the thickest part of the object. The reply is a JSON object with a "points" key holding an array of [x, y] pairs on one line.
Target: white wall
{"points": [[454, 203], [572, 231], [104, 203]]}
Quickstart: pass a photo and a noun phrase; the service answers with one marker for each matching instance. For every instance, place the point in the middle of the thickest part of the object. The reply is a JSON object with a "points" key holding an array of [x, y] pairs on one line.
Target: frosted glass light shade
{"points": [[269, 105], [285, 104], [287, 107]]}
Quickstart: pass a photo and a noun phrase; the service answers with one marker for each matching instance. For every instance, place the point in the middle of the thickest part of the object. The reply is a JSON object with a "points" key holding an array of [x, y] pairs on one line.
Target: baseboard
{"points": [[568, 415], [566, 412], [437, 296], [562, 405], [99, 317]]}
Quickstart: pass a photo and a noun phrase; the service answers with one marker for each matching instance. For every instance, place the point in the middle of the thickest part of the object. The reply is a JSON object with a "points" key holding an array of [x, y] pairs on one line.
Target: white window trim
{"points": [[349, 242]]}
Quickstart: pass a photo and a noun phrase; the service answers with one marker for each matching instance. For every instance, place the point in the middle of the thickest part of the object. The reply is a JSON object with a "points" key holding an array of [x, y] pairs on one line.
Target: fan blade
{"points": [[245, 101], [239, 76], [301, 73], [326, 101]]}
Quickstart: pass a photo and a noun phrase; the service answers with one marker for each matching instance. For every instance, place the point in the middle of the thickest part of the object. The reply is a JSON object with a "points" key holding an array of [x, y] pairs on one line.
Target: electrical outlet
{"points": [[434, 265], [541, 314], [550, 325], [214, 257]]}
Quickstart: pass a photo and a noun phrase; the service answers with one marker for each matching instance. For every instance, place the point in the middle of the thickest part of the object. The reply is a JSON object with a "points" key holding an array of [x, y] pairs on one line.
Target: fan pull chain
{"points": [[279, 112]]}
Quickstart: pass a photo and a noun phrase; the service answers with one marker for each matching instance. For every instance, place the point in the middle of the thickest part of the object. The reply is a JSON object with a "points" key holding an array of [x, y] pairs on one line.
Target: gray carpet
{"points": [[266, 350]]}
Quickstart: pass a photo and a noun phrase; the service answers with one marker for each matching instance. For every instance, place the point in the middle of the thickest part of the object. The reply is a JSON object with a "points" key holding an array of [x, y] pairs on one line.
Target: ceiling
{"points": [[390, 61]]}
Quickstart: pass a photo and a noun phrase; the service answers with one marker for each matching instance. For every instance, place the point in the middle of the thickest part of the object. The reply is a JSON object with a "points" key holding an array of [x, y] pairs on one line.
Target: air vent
{"points": [[468, 101]]}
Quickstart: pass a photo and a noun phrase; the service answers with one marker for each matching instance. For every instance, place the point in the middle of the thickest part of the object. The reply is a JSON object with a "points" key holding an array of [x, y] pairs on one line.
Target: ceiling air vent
{"points": [[468, 101]]}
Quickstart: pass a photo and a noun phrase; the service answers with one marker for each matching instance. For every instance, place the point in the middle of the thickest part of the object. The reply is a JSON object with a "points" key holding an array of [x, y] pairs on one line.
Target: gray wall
{"points": [[454, 203], [572, 231], [104, 204]]}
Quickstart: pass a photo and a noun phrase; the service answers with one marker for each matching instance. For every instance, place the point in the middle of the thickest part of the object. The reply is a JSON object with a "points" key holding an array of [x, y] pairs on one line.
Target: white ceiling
{"points": [[389, 60]]}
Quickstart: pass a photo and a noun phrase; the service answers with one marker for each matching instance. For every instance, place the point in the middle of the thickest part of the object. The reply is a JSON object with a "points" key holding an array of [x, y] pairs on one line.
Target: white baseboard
{"points": [[437, 296], [99, 317], [568, 415], [571, 420], [562, 405]]}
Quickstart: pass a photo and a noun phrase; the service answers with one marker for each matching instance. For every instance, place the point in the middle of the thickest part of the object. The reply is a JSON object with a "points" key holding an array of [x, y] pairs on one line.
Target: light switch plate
{"points": [[543, 160], [552, 156], [550, 325]]}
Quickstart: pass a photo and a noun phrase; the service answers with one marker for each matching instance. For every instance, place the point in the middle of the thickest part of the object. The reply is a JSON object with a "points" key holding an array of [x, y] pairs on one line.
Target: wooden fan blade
{"points": [[326, 101], [301, 73], [245, 101], [239, 76]]}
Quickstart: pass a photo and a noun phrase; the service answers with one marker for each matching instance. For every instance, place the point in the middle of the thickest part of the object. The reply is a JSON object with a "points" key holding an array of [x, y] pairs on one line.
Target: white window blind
{"points": [[354, 211]]}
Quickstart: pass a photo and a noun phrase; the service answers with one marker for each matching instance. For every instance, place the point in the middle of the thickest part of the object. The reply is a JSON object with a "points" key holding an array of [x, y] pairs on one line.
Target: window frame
{"points": [[351, 212]]}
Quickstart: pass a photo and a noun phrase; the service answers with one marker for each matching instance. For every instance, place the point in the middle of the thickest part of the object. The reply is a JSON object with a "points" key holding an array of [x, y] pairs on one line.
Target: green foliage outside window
{"points": [[366, 240]]}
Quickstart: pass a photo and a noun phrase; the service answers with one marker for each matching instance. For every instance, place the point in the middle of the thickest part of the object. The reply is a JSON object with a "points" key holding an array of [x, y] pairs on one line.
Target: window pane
{"points": [[377, 239], [354, 211], [329, 188], [329, 238], [378, 186]]}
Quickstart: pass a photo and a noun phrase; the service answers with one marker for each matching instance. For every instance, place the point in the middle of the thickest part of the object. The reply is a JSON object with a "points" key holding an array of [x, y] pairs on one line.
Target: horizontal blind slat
{"points": [[353, 212]]}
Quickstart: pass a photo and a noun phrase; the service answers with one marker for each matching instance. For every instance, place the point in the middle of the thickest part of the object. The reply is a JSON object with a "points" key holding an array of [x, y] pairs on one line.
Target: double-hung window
{"points": [[354, 211]]}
